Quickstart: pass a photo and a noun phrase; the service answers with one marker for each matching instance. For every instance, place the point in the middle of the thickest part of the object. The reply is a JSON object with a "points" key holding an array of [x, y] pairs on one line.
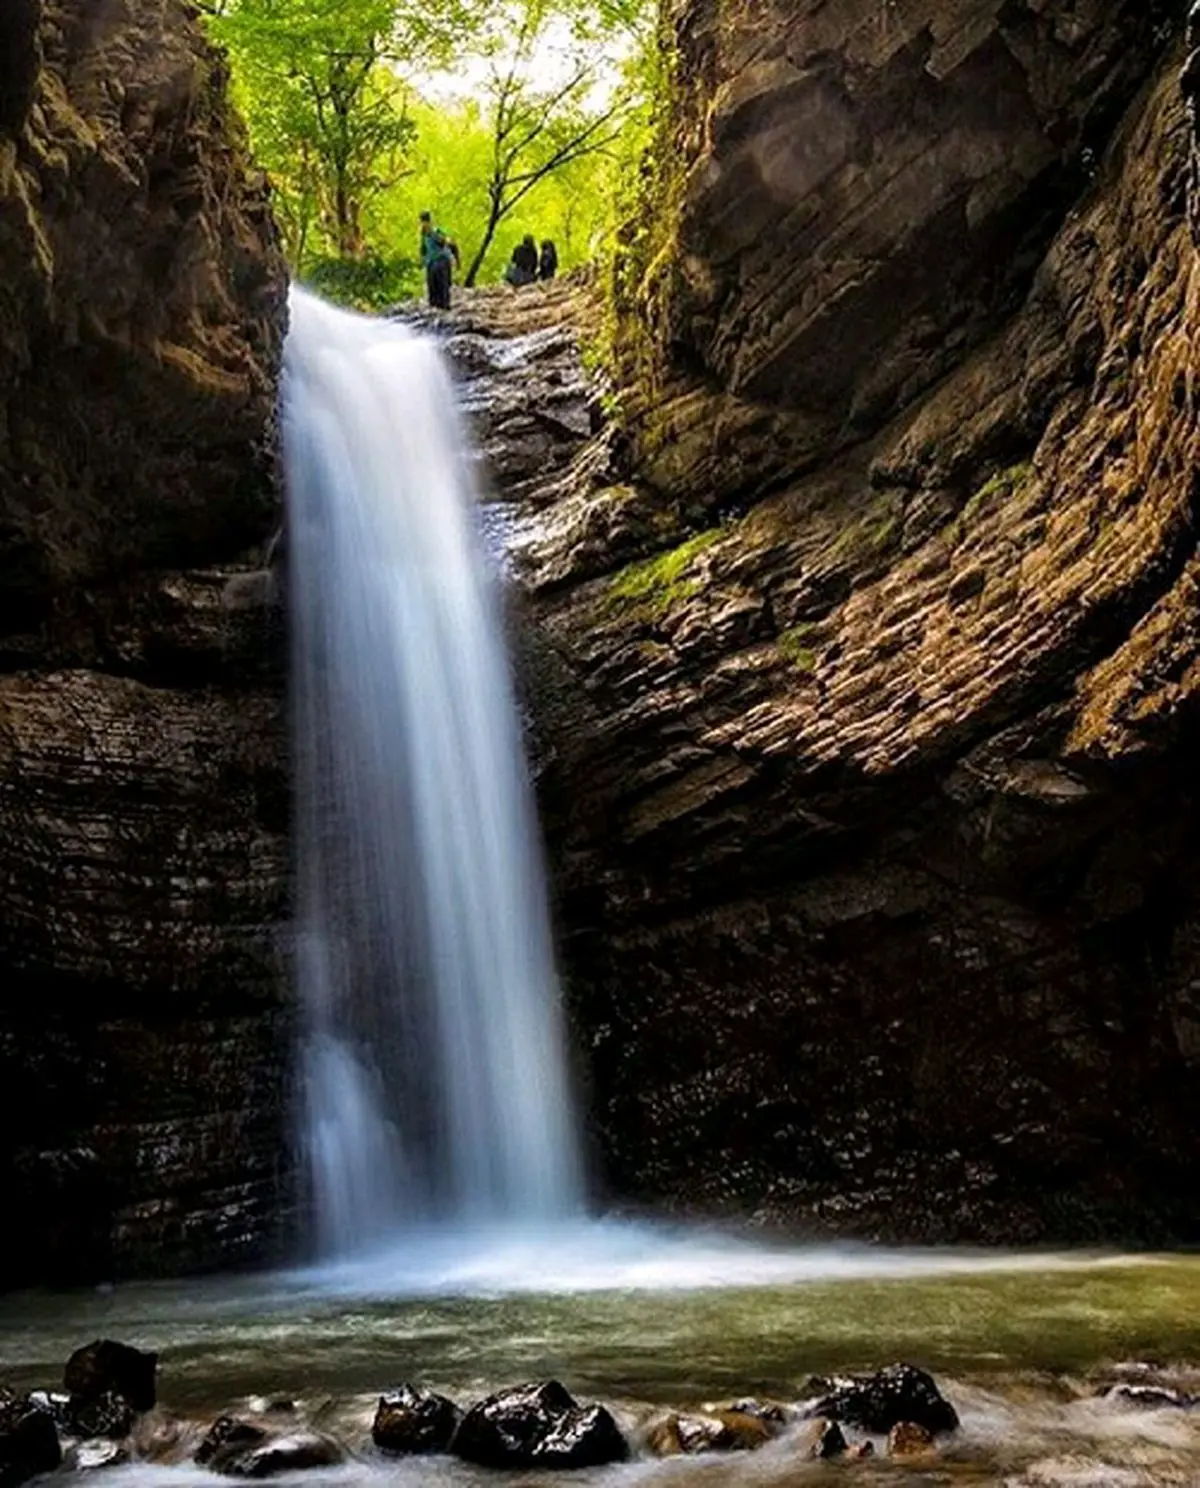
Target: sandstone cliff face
{"points": [[143, 802], [873, 803]]}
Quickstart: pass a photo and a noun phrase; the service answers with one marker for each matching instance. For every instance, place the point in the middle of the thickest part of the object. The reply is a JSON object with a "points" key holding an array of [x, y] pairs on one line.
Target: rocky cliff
{"points": [[864, 654], [143, 800]]}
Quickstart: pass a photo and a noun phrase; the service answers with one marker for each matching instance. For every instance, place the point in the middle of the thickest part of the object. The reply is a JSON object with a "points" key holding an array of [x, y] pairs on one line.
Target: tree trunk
{"points": [[493, 223]]}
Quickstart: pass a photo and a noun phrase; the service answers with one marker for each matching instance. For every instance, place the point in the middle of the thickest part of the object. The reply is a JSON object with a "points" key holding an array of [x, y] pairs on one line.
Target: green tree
{"points": [[539, 128], [321, 83]]}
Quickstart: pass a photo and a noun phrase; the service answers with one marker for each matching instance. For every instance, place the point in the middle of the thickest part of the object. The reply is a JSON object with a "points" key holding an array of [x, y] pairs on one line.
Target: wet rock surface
{"points": [[143, 798], [28, 1440], [863, 711], [539, 1425], [411, 1421], [897, 1395], [106, 1369]]}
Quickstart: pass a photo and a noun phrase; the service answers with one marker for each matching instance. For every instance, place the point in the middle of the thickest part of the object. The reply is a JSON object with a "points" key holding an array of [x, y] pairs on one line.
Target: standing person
{"points": [[548, 263], [524, 266], [439, 254]]}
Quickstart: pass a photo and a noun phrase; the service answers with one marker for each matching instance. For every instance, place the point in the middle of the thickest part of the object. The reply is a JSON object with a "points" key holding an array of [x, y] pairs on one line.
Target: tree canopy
{"points": [[364, 112]]}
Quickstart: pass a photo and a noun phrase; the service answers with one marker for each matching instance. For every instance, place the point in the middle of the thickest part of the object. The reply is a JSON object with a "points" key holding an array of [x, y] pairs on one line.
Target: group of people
{"points": [[439, 259], [527, 265]]}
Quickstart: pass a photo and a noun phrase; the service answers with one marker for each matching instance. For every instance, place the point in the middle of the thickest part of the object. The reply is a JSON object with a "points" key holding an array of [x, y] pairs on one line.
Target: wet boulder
{"points": [[887, 1398], [693, 1434], [414, 1422], [539, 1425], [108, 1368], [28, 1440], [109, 1416], [299, 1451], [239, 1449], [770, 1412], [226, 1440]]}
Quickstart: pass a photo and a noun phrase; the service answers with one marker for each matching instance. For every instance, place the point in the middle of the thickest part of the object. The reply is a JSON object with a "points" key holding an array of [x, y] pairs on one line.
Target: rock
{"points": [[142, 313], [415, 1421], [226, 1439], [56, 1404], [821, 1439], [899, 1393], [860, 1451], [771, 1414], [300, 1451], [28, 1440], [907, 1439], [1151, 1397], [88, 1456], [108, 1415], [539, 1425], [695, 1433], [107, 1368], [822, 819]]}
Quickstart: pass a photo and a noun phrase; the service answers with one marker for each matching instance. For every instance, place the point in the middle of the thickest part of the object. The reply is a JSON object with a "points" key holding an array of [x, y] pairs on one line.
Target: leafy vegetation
{"points": [[501, 119]]}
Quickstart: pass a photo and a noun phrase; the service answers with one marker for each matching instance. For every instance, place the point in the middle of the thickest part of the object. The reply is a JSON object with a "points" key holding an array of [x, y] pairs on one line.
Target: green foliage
{"points": [[535, 134], [658, 583]]}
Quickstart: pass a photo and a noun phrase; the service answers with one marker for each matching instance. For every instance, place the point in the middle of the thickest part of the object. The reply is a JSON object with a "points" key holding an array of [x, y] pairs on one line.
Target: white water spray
{"points": [[434, 1073]]}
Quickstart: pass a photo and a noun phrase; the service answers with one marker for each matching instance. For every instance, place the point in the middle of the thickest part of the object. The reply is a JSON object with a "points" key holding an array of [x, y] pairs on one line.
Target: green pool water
{"points": [[1020, 1348]]}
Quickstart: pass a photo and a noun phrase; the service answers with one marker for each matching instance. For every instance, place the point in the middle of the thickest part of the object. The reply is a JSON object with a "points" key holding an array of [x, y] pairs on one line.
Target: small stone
{"points": [[55, 1404], [105, 1367], [410, 1421], [859, 1451], [907, 1439], [28, 1440]]}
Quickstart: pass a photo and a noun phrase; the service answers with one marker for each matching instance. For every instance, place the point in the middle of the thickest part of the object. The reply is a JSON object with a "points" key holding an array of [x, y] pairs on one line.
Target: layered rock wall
{"points": [[869, 783], [143, 798]]}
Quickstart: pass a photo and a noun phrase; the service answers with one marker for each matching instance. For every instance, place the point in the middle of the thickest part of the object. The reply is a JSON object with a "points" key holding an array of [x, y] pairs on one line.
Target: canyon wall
{"points": [[864, 650], [143, 796]]}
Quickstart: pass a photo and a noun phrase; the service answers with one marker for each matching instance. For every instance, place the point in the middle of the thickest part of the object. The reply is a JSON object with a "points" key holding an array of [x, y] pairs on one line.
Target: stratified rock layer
{"points": [[143, 863], [873, 804]]}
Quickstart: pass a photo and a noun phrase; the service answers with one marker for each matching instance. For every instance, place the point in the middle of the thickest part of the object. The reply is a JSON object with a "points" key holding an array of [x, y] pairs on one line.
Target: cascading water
{"points": [[433, 1067]]}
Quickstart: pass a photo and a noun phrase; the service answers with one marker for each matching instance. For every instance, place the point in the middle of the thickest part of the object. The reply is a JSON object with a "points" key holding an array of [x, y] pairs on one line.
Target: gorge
{"points": [[858, 640]]}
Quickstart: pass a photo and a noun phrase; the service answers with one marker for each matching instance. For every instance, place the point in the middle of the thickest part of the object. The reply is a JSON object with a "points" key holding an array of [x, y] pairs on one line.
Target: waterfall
{"points": [[433, 1071]]}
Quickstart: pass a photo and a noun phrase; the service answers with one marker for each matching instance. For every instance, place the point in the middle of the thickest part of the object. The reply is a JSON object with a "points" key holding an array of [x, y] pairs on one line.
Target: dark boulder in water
{"points": [[28, 1440], [539, 1425], [412, 1421], [227, 1438], [109, 1415], [105, 1367], [299, 1451], [887, 1398], [239, 1449]]}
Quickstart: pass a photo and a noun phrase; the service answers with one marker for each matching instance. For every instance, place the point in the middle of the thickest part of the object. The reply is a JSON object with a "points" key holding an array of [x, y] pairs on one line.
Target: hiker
{"points": [[523, 269], [439, 254], [548, 263]]}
